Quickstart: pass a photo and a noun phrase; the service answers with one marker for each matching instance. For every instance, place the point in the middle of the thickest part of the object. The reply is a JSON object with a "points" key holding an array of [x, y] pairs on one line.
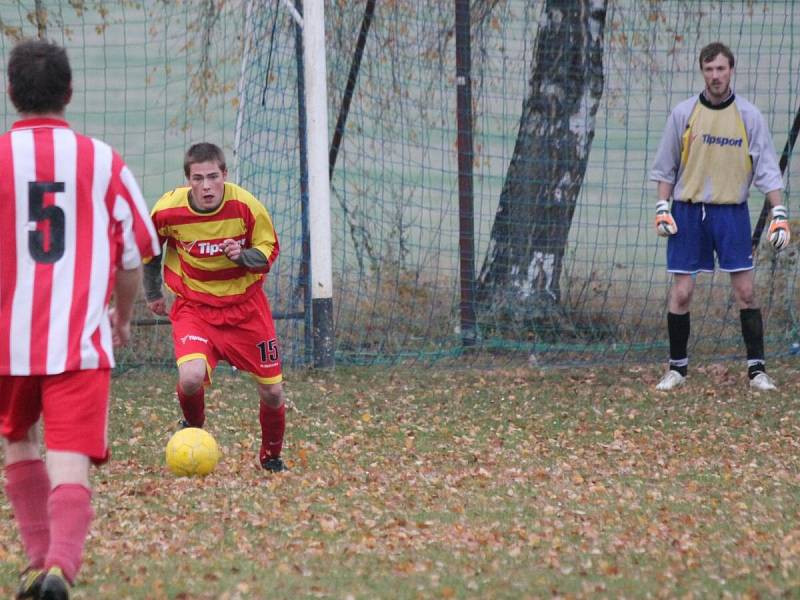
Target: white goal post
{"points": [[316, 99]]}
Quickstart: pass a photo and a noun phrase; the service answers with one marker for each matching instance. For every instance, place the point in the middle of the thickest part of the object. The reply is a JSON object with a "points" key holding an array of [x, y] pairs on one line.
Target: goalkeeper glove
{"points": [[779, 235], [665, 224]]}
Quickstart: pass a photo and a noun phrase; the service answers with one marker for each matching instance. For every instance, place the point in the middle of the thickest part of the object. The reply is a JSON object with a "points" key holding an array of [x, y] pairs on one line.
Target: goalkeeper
{"points": [[220, 243], [715, 145]]}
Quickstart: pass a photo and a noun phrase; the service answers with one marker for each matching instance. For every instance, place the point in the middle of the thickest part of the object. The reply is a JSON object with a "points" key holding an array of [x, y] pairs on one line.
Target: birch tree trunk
{"points": [[519, 282]]}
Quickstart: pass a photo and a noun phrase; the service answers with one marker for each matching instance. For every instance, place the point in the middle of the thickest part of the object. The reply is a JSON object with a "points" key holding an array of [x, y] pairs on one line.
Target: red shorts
{"points": [[243, 335], [74, 407]]}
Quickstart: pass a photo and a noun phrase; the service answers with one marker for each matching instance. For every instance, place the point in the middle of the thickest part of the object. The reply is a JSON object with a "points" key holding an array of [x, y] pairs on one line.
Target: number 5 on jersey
{"points": [[53, 216]]}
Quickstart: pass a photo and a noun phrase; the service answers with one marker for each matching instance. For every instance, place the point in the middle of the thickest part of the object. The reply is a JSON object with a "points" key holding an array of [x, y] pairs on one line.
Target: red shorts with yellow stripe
{"points": [[73, 406], [242, 334]]}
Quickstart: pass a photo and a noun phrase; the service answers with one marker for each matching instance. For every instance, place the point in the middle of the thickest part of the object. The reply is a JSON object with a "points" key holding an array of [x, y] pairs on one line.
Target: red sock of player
{"points": [[273, 426], [193, 407], [27, 488], [70, 509]]}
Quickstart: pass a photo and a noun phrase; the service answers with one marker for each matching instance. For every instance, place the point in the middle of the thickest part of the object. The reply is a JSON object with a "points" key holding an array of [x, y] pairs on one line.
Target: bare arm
{"points": [[664, 190], [126, 287], [775, 198]]}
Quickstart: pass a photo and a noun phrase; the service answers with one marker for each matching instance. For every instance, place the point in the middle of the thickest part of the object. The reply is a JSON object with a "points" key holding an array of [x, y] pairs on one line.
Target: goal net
{"points": [[153, 77]]}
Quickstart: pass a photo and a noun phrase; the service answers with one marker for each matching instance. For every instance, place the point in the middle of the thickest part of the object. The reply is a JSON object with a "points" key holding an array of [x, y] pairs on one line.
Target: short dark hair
{"points": [[203, 152], [714, 49], [39, 77]]}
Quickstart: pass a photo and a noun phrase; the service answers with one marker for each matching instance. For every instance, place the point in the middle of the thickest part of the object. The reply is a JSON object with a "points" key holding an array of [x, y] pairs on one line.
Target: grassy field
{"points": [[426, 483]]}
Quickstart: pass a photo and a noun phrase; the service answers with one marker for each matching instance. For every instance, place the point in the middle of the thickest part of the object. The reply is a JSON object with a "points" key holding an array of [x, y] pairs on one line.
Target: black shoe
{"points": [[183, 424], [54, 586], [30, 582], [273, 465]]}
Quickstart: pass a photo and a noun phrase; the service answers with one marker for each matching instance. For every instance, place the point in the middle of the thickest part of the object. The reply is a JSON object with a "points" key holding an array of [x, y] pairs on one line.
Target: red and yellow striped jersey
{"points": [[195, 267]]}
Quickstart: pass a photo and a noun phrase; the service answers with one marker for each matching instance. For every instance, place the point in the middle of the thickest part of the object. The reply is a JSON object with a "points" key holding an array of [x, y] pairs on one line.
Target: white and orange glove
{"points": [[665, 224], [779, 234]]}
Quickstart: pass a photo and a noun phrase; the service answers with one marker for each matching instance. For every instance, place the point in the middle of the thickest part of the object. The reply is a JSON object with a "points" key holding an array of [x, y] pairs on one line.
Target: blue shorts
{"points": [[704, 229]]}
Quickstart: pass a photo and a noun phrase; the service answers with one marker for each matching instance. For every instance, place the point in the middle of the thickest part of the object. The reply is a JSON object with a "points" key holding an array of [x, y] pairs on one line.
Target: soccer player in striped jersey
{"points": [[219, 244], [74, 229], [715, 145]]}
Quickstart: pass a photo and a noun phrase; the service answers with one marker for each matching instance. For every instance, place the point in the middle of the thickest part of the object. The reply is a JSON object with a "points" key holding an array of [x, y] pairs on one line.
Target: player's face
{"points": [[717, 73], [207, 181]]}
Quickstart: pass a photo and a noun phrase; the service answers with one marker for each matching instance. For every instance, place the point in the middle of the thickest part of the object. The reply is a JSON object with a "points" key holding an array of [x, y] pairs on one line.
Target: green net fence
{"points": [[150, 79], [590, 284]]}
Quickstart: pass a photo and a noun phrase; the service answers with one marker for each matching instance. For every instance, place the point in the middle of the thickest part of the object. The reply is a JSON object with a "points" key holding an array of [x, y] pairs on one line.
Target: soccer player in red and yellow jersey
{"points": [[220, 242], [74, 229]]}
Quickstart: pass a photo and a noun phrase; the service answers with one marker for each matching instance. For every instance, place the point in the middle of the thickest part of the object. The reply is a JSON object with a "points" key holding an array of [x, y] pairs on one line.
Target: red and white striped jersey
{"points": [[71, 214]]}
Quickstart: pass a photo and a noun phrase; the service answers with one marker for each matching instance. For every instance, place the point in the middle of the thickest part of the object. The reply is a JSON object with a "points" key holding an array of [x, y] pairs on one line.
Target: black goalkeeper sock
{"points": [[753, 334], [678, 327]]}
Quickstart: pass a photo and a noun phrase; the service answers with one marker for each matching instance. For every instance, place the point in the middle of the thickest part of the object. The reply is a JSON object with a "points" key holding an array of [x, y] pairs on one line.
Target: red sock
{"points": [[70, 509], [273, 425], [27, 488], [193, 407]]}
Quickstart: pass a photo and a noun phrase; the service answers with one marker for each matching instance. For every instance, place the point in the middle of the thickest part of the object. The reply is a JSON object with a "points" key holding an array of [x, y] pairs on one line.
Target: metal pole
{"points": [[304, 276], [338, 133], [466, 239]]}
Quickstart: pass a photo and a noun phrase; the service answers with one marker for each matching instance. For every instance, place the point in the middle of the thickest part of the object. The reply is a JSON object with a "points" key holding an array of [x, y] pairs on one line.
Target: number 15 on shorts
{"points": [[268, 351]]}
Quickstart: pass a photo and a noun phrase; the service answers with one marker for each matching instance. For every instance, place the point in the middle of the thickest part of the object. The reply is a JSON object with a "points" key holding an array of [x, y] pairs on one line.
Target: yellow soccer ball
{"points": [[192, 452]]}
